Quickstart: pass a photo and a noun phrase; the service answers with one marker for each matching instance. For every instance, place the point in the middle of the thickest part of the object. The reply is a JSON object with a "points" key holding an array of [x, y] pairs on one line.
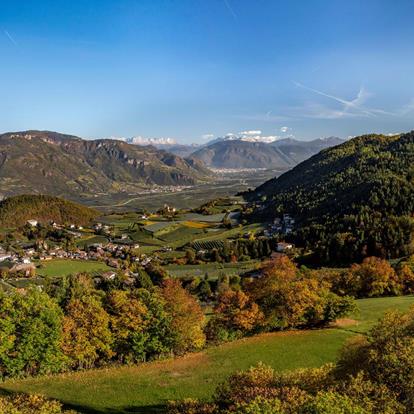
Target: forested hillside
{"points": [[15, 211], [349, 201]]}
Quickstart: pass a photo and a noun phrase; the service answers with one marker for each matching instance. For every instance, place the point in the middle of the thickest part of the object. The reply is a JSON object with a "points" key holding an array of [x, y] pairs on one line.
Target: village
{"points": [[23, 262], [167, 237]]}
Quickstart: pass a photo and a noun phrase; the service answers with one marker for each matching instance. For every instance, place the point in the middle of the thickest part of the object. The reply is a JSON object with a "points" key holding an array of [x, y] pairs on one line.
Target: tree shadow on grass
{"points": [[148, 409]]}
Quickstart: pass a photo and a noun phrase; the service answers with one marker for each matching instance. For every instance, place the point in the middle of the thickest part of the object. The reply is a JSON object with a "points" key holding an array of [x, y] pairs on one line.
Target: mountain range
{"points": [[280, 154], [246, 150], [52, 163]]}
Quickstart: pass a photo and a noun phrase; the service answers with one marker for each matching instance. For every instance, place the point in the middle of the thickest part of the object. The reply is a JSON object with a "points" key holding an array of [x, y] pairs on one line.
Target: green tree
{"points": [[30, 334]]}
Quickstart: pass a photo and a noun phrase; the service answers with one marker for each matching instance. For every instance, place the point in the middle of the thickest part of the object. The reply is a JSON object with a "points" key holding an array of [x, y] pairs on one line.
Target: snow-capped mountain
{"points": [[140, 140]]}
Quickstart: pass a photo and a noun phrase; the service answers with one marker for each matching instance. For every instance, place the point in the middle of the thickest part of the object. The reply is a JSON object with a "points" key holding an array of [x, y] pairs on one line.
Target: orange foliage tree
{"points": [[373, 277], [234, 313], [187, 316]]}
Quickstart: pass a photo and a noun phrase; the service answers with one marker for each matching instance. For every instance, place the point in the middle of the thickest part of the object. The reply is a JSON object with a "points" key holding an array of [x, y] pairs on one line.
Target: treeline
{"points": [[353, 237], [374, 277], [78, 326], [374, 375], [240, 249], [74, 324]]}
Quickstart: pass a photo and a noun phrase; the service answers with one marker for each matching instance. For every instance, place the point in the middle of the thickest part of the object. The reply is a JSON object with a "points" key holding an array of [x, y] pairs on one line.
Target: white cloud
{"points": [[250, 132], [285, 129], [207, 136], [140, 140]]}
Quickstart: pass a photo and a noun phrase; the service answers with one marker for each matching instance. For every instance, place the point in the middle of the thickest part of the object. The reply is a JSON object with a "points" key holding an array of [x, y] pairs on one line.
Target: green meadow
{"points": [[63, 267]]}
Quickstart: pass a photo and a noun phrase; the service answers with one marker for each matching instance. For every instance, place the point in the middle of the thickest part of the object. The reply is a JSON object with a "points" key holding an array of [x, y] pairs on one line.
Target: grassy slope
{"points": [[146, 388]]}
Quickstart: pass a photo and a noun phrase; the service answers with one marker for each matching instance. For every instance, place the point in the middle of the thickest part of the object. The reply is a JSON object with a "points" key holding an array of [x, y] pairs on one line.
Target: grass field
{"points": [[147, 387], [213, 270], [63, 267], [89, 240]]}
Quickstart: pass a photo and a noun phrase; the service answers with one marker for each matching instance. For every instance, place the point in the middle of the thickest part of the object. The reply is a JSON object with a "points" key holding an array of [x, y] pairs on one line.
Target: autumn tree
{"points": [[187, 316], [284, 296], [234, 315], [87, 339], [385, 355], [289, 297], [127, 313], [373, 277]]}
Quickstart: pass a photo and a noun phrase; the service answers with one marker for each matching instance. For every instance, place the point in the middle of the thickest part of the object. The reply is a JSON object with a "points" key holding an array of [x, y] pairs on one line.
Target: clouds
{"points": [[207, 136], [250, 132], [285, 129], [254, 135]]}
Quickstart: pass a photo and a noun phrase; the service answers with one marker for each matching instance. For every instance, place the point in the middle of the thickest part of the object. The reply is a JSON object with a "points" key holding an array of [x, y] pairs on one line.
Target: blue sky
{"points": [[190, 68]]}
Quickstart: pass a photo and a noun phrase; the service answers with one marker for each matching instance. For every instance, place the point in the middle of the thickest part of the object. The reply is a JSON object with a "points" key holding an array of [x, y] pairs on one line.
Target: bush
{"points": [[30, 404]]}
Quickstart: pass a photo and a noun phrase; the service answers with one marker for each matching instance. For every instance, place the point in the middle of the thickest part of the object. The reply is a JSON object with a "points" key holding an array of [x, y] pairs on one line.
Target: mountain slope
{"points": [[281, 154], [299, 151], [52, 163], [242, 154], [15, 211], [349, 201]]}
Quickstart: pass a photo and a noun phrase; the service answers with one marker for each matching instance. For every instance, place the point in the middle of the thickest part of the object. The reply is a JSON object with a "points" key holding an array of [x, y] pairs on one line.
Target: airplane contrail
{"points": [[10, 37], [354, 104], [230, 9]]}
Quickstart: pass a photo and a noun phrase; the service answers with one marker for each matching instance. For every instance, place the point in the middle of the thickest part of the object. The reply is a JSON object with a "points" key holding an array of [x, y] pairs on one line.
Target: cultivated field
{"points": [[147, 387]]}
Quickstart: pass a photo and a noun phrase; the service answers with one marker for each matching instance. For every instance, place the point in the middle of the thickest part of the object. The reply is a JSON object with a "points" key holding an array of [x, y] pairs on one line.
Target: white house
{"points": [[283, 247], [4, 257]]}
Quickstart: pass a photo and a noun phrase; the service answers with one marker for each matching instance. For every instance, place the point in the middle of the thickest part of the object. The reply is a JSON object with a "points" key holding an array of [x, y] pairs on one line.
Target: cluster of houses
{"points": [[280, 225], [15, 263], [24, 261]]}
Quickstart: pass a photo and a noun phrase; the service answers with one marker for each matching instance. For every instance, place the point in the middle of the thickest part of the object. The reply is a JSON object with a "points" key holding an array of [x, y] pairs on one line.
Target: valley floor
{"points": [[224, 186], [147, 387]]}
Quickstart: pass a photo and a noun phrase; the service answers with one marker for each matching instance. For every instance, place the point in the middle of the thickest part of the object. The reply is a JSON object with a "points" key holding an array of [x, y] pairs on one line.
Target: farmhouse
{"points": [[282, 247], [28, 269], [5, 256]]}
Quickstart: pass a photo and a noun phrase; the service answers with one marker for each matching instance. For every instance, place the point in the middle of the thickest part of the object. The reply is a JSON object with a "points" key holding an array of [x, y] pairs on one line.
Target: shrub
{"points": [[30, 404]]}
